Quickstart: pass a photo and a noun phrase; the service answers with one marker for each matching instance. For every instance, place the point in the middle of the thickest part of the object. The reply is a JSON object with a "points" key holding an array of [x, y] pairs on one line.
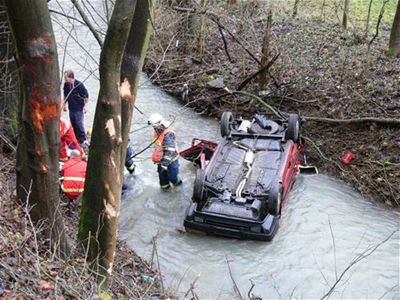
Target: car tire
{"points": [[275, 198], [198, 186], [226, 123], [293, 130]]}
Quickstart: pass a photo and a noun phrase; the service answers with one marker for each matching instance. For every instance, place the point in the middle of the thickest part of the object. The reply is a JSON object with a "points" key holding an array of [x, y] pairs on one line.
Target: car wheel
{"points": [[226, 123], [198, 186], [274, 198], [293, 130]]}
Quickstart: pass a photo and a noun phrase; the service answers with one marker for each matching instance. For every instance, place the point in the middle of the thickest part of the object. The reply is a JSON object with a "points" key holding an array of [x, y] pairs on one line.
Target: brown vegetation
{"points": [[324, 73], [29, 268]]}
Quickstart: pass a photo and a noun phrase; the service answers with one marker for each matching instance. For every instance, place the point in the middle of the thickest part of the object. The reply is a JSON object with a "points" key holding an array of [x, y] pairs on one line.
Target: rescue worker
{"points": [[68, 140], [76, 99], [74, 173], [166, 154]]}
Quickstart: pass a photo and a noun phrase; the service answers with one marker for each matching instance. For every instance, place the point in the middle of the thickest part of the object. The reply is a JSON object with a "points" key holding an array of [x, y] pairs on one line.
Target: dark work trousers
{"points": [[170, 175], [76, 118]]}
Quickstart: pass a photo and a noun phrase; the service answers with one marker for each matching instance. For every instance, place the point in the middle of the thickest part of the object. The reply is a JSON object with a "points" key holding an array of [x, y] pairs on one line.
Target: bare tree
{"points": [[39, 114], [345, 13], [101, 198], [265, 51], [394, 41]]}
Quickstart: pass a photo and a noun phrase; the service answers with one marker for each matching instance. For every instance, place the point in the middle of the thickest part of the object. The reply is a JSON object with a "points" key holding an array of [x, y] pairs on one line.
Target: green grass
{"points": [[333, 11]]}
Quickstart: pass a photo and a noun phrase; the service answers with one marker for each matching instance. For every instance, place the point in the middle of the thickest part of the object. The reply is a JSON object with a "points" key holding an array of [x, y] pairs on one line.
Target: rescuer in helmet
{"points": [[165, 154]]}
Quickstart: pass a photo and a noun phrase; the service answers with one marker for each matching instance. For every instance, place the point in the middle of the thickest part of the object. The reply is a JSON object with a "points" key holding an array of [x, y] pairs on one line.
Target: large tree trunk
{"points": [[101, 197], [38, 143], [394, 42], [135, 53]]}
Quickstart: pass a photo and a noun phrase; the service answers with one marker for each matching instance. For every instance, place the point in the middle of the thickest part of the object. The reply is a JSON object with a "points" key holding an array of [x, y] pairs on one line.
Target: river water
{"points": [[325, 227]]}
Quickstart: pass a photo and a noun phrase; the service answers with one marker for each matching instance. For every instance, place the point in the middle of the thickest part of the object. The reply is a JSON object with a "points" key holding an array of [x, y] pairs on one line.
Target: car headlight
{"points": [[198, 219]]}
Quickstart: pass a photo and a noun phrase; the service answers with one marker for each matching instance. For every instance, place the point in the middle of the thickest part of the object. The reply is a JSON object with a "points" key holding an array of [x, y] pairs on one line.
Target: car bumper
{"points": [[230, 227]]}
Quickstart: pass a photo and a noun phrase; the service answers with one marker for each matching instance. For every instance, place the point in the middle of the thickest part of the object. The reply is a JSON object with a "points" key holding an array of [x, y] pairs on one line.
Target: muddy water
{"points": [[324, 227]]}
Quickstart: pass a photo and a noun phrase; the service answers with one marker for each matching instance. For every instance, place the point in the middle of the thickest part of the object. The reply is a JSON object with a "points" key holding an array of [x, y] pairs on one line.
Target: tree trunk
{"points": [[345, 13], [394, 42], [39, 116], [295, 8], [101, 196], [265, 51], [201, 33], [189, 23], [135, 53], [367, 21]]}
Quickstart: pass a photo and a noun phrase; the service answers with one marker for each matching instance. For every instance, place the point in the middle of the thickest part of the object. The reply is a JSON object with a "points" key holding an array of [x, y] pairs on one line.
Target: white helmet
{"points": [[75, 153], [156, 120]]}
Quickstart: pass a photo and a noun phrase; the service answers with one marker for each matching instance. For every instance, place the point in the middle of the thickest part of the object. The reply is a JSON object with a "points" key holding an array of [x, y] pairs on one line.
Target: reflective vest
{"points": [[68, 140], [74, 177], [159, 149]]}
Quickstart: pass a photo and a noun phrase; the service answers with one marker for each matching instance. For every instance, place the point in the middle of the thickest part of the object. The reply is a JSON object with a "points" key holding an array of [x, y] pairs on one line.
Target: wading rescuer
{"points": [[74, 173], [166, 154]]}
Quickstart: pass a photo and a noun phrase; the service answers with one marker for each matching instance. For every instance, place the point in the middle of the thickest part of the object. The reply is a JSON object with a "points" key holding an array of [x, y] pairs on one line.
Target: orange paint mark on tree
{"points": [[42, 112]]}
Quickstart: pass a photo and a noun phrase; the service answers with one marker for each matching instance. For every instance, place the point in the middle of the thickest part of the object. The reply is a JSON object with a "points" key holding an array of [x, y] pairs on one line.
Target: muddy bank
{"points": [[29, 269], [321, 72]]}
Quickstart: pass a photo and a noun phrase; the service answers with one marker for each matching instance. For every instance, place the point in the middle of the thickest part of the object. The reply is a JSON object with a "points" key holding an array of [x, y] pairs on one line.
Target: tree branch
{"points": [[88, 23]]}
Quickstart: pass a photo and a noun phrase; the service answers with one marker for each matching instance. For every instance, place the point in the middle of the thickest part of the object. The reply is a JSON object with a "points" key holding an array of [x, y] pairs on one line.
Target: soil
{"points": [[29, 269], [322, 71]]}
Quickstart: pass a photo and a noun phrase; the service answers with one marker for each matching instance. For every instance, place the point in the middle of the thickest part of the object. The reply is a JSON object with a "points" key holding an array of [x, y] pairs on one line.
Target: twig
{"points": [[235, 287], [356, 260], [334, 246], [28, 217], [225, 44], [154, 239], [272, 109], [250, 295], [8, 142]]}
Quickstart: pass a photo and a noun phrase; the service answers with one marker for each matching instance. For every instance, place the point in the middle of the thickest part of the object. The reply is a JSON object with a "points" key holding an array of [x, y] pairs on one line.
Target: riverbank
{"points": [[345, 87], [29, 269]]}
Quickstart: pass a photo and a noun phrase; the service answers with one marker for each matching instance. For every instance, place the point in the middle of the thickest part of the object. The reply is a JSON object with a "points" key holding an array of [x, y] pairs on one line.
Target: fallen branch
{"points": [[384, 121], [8, 142], [255, 74]]}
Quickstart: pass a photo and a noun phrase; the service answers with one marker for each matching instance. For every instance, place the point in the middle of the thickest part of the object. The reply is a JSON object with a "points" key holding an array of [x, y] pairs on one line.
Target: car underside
{"points": [[243, 180]]}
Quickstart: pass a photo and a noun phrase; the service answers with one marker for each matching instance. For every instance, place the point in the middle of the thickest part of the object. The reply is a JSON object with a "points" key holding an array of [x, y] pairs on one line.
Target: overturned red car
{"points": [[243, 181]]}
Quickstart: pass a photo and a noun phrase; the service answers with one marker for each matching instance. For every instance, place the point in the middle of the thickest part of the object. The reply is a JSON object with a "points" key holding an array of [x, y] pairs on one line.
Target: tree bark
{"points": [[394, 41], [101, 197], [134, 55], [265, 51], [39, 115], [201, 33]]}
